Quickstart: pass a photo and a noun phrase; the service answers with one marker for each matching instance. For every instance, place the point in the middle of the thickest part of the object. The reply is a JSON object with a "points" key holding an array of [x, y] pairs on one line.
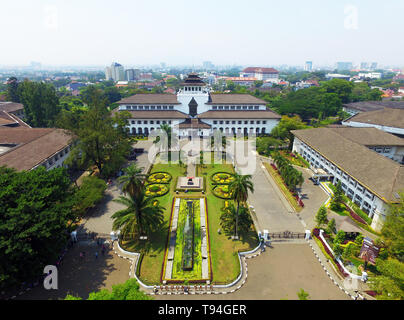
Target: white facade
{"points": [[56, 160], [368, 201], [185, 95], [393, 130], [116, 72], [196, 114], [246, 126], [146, 126]]}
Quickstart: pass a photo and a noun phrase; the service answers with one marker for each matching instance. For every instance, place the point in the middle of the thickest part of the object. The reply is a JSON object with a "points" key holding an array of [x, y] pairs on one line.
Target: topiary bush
{"points": [[159, 177], [156, 190], [222, 178]]}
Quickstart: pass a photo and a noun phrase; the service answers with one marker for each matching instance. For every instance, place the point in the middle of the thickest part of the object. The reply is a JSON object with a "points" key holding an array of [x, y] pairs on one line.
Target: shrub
{"points": [[339, 238], [359, 240]]}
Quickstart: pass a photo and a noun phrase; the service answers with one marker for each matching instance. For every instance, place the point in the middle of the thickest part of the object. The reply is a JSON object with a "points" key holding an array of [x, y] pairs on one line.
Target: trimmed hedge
{"points": [[152, 178]]}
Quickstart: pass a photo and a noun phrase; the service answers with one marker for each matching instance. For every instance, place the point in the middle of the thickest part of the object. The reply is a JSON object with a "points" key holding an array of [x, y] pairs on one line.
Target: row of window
{"points": [[239, 130], [381, 149], [56, 157], [235, 107], [350, 180], [239, 122], [193, 88], [150, 107], [150, 122]]}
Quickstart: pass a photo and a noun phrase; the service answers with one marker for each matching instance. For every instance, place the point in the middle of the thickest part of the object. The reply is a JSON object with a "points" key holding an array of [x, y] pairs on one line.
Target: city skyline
{"points": [[263, 33]]}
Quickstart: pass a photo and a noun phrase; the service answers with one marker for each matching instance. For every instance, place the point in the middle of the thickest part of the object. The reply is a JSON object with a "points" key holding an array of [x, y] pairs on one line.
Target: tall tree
{"points": [[129, 290], [101, 140], [12, 90], [239, 189], [139, 217], [41, 103], [36, 209], [321, 216], [284, 128], [166, 139], [230, 220], [132, 180], [390, 282], [393, 230]]}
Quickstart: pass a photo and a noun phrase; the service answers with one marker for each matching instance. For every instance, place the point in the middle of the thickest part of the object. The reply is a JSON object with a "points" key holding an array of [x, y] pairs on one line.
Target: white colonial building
{"points": [[390, 120], [24, 148], [194, 110], [362, 159]]}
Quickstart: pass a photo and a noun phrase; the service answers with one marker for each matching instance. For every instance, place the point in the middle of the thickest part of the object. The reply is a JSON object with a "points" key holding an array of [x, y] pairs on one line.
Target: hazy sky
{"points": [[226, 32]]}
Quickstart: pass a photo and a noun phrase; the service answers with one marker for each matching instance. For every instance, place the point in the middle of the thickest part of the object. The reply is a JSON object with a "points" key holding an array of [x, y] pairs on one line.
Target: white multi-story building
{"points": [[264, 74], [194, 110], [116, 72], [388, 119], [308, 66], [370, 179], [25, 148]]}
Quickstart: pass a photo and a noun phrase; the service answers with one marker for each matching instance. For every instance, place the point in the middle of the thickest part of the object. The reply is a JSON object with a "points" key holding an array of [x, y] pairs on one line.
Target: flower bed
{"points": [[355, 216], [298, 200], [222, 191], [222, 178], [316, 233], [156, 190], [159, 177]]}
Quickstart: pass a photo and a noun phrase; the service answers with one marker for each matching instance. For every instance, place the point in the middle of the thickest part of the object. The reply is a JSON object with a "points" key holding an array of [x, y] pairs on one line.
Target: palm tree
{"points": [[239, 190], [132, 180], [167, 140], [140, 216], [230, 218]]}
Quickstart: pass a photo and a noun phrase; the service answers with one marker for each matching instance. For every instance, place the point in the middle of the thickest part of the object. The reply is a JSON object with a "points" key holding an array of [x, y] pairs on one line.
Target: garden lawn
{"points": [[357, 210], [279, 181], [296, 160], [225, 263], [154, 247]]}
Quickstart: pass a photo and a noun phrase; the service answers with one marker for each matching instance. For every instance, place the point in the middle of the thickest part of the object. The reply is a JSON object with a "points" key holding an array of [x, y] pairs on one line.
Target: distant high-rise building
{"points": [[364, 66], [344, 66], [163, 65], [308, 66], [208, 65], [108, 74], [130, 75], [116, 72], [373, 66]]}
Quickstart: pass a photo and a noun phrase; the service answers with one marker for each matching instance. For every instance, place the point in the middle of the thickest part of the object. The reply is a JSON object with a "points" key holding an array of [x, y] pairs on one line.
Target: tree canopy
{"points": [[101, 140], [35, 212], [41, 104], [125, 291]]}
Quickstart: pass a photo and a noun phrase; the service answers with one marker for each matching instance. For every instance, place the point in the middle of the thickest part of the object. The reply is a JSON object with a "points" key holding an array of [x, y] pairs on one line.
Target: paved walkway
{"points": [[279, 273], [272, 210], [167, 290], [79, 277]]}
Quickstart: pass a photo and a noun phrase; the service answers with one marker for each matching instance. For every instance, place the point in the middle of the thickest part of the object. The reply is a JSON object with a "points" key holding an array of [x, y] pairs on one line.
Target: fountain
{"points": [[188, 241]]}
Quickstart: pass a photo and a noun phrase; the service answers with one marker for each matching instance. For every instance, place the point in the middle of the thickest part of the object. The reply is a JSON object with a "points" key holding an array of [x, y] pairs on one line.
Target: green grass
{"points": [[288, 195], [297, 160], [223, 250], [225, 263], [357, 210], [154, 247]]}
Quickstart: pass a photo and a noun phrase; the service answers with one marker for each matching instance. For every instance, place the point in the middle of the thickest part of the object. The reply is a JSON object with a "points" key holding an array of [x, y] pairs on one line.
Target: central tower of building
{"points": [[193, 96]]}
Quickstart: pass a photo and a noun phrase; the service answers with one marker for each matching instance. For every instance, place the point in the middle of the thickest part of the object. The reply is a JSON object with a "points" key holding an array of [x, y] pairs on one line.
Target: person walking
{"points": [[96, 255]]}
